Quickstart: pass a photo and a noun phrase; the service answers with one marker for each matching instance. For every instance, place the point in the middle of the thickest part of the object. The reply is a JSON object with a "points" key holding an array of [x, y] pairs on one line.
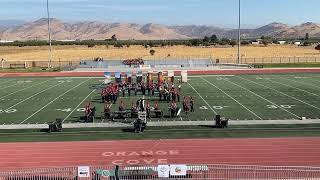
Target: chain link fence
{"points": [[199, 172]]}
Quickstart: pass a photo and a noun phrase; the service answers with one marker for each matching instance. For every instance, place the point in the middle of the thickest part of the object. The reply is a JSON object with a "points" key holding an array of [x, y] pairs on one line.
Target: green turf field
{"points": [[258, 97]]}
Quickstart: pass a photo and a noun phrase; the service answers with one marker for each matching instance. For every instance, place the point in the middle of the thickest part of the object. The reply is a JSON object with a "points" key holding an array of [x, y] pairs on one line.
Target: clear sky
{"points": [[169, 12]]}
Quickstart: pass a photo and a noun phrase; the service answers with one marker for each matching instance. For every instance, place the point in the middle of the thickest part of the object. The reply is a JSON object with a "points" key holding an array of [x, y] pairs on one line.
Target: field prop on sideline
{"points": [[150, 77], [107, 77], [55, 126], [171, 76], [128, 78], [160, 77], [117, 75], [184, 76], [139, 76]]}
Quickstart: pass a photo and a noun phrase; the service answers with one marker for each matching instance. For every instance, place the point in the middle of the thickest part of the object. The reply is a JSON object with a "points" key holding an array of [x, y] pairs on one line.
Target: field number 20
{"points": [[280, 106]]}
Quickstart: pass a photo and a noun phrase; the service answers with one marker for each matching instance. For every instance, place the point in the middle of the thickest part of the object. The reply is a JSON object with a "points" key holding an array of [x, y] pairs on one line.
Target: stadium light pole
{"points": [[49, 34], [239, 34]]}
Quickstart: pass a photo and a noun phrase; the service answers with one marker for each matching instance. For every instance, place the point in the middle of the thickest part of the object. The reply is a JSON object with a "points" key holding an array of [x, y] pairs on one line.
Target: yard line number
{"points": [[69, 110], [280, 106], [214, 107], [8, 111]]}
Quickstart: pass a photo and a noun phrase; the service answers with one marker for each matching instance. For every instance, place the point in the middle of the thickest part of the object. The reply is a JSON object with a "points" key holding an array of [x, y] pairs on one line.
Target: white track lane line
{"points": [[203, 99], [34, 95], [24, 89], [53, 101], [280, 92], [264, 99], [293, 87], [78, 105], [233, 99]]}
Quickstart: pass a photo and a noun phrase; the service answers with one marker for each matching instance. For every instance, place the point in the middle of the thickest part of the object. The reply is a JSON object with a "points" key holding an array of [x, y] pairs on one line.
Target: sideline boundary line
{"points": [[233, 99], [53, 101], [281, 93]]}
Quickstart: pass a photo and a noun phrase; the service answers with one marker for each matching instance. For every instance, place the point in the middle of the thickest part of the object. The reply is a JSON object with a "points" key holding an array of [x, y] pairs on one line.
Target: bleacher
{"points": [[164, 63]]}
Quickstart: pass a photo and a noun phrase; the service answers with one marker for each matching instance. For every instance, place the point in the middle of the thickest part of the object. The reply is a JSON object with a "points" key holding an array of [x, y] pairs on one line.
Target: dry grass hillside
{"points": [[75, 53]]}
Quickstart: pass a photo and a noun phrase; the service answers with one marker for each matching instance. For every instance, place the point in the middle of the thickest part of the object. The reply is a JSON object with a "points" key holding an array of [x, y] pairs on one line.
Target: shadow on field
{"points": [[128, 130]]}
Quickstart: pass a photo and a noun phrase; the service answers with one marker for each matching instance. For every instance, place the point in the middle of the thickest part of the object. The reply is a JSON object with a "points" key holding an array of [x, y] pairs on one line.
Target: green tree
{"points": [[318, 47], [114, 37], [214, 38], [152, 52], [307, 36], [206, 39], [233, 43]]}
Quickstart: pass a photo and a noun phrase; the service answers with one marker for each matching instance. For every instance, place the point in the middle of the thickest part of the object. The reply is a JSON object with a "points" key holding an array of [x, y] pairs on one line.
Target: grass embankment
{"points": [[26, 70], [94, 134], [291, 65]]}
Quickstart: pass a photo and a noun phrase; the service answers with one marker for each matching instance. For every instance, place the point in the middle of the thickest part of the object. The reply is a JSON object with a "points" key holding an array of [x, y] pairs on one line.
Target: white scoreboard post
{"points": [[184, 76]]}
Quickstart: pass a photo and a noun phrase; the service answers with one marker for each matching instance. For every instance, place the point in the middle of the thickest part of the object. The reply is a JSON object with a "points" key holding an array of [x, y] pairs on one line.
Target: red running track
{"points": [[265, 151]]}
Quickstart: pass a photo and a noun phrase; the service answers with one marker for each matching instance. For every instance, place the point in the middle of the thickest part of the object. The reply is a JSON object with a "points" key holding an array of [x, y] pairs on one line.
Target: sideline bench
{"points": [[14, 66], [258, 66]]}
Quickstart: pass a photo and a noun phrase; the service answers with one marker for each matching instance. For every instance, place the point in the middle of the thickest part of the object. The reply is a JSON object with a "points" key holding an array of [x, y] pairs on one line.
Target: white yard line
{"points": [[287, 79], [52, 101], [33, 95], [78, 105], [233, 99], [9, 86], [24, 89], [203, 99], [293, 87], [264, 99], [7, 81], [280, 92]]}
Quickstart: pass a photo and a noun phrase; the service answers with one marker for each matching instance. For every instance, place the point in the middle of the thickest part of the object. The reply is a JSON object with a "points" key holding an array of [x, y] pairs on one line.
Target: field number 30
{"points": [[280, 106]]}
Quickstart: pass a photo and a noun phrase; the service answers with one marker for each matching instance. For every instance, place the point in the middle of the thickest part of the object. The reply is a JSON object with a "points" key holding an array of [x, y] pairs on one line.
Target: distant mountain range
{"points": [[37, 30]]}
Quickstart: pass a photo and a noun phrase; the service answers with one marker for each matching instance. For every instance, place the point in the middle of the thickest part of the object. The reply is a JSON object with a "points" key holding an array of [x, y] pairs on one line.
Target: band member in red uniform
{"points": [[156, 105], [173, 108]]}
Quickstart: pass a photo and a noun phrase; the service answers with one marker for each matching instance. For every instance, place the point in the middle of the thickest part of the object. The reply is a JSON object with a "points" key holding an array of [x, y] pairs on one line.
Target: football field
{"points": [[39, 100]]}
